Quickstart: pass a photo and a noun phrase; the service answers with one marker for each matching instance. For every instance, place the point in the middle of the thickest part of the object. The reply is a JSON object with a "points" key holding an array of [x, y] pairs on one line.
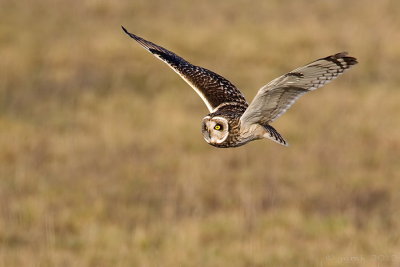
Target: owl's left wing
{"points": [[276, 97], [213, 89]]}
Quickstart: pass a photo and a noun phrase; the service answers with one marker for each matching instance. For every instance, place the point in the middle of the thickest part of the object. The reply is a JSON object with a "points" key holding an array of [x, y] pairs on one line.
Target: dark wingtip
{"points": [[341, 54], [137, 38], [348, 59], [125, 30]]}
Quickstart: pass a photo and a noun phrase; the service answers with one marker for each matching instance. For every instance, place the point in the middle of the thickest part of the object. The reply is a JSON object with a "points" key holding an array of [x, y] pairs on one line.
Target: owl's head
{"points": [[215, 129]]}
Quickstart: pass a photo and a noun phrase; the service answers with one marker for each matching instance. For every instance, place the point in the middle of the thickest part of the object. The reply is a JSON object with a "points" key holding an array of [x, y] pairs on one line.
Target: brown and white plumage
{"points": [[232, 122], [211, 87], [275, 98]]}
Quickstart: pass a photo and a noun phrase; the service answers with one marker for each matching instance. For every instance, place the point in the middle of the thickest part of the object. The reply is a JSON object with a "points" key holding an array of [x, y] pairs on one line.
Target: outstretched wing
{"points": [[276, 97], [211, 87]]}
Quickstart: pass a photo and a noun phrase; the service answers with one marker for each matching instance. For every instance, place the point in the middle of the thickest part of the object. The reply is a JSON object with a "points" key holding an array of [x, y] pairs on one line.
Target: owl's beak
{"points": [[213, 140]]}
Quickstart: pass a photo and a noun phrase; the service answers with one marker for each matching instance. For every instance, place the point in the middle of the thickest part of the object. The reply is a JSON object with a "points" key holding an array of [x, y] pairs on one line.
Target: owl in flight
{"points": [[232, 122]]}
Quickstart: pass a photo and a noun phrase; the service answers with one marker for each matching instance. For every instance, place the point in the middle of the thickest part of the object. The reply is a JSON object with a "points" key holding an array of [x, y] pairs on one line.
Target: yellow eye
{"points": [[218, 127]]}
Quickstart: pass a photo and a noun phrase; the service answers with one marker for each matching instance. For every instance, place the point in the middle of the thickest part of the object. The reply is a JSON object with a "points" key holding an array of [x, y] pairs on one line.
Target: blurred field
{"points": [[102, 162]]}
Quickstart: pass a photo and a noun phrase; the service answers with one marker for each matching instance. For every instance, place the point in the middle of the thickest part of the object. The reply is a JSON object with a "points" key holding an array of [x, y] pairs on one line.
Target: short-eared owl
{"points": [[232, 122]]}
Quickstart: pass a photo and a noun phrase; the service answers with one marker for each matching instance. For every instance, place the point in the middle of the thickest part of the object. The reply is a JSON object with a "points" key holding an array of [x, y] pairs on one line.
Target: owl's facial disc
{"points": [[215, 129]]}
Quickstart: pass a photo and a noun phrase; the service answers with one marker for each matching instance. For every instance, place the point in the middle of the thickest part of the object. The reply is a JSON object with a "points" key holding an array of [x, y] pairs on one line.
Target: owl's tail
{"points": [[273, 134]]}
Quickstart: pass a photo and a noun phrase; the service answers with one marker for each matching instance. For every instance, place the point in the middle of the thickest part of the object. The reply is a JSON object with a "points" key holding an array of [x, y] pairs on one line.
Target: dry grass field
{"points": [[102, 161]]}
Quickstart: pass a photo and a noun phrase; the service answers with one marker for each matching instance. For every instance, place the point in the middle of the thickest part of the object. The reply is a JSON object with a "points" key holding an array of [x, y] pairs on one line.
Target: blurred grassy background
{"points": [[102, 162]]}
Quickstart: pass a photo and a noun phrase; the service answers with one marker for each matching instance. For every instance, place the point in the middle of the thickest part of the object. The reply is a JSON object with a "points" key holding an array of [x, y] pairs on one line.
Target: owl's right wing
{"points": [[276, 97], [213, 89]]}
